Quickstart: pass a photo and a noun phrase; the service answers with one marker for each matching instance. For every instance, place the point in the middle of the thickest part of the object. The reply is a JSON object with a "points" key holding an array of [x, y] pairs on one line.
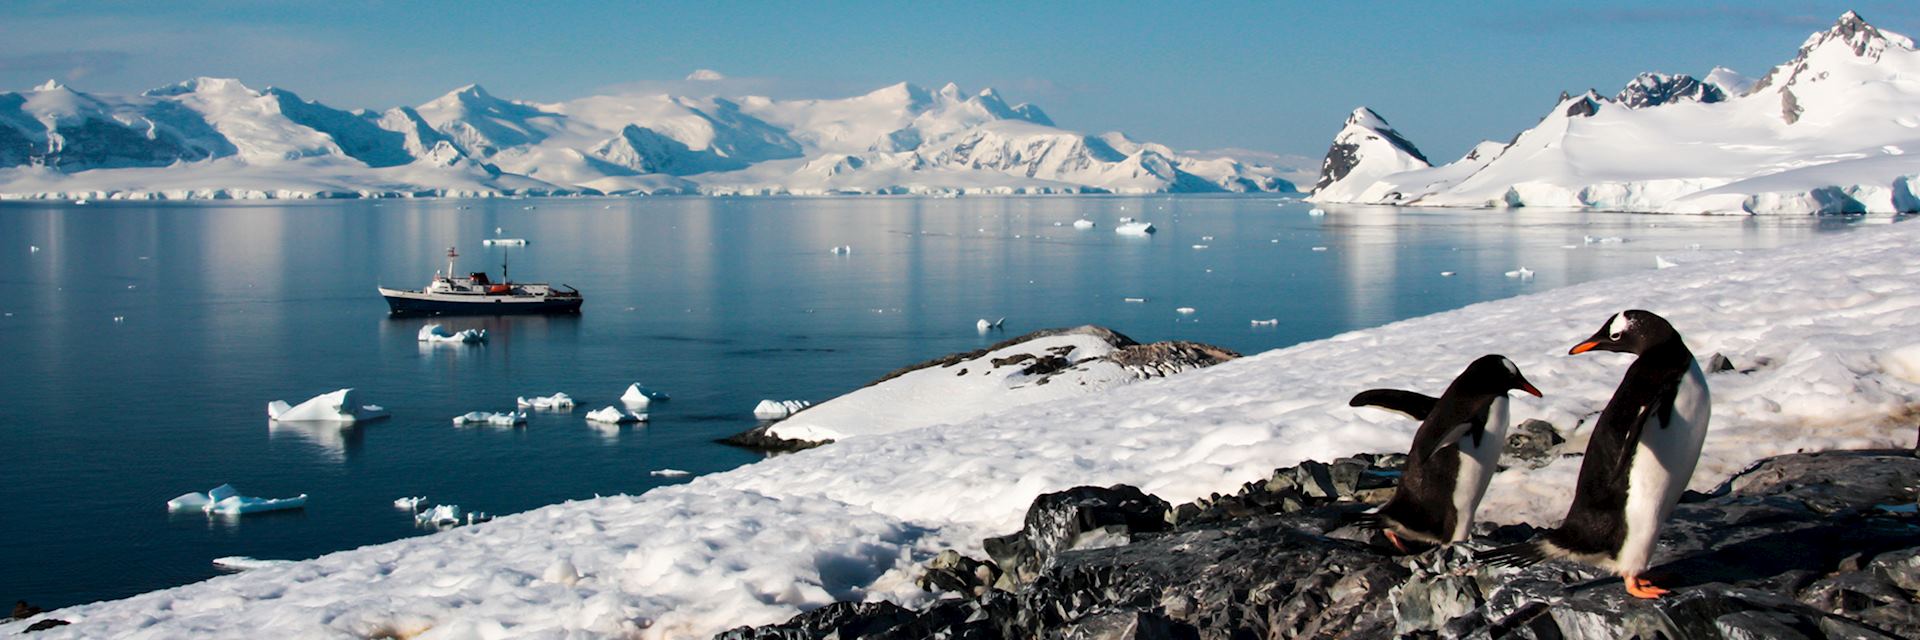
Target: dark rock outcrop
{"points": [[1805, 545], [1655, 89]]}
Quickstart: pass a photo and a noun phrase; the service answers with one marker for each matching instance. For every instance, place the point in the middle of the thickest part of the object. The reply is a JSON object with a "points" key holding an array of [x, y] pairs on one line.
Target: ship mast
{"points": [[451, 254]]}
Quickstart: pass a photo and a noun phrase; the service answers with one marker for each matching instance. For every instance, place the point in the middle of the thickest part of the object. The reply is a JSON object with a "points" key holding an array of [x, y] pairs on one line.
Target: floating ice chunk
{"points": [[1269, 322], [1135, 229], [410, 503], [83, 201], [502, 419], [445, 515], [1207, 238], [843, 250], [1319, 248], [1199, 246], [240, 505], [33, 249], [119, 318], [1316, 211], [1083, 223], [219, 493], [639, 396], [613, 415], [778, 409], [1185, 311], [246, 563], [517, 242], [669, 473], [985, 325], [1661, 262], [194, 501], [438, 334], [555, 402], [1522, 273], [1605, 240], [1125, 218], [338, 406], [1133, 300], [1446, 274]]}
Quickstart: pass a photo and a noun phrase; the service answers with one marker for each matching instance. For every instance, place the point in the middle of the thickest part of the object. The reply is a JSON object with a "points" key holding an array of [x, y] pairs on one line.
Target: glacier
{"points": [[218, 138], [1827, 132]]}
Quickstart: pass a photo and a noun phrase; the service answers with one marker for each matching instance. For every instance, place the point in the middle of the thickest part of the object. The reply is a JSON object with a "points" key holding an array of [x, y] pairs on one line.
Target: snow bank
{"points": [[338, 406], [437, 334], [1828, 328]]}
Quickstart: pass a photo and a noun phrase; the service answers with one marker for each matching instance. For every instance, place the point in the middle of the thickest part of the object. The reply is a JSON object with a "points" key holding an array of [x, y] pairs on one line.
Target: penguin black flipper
{"points": [[1411, 403], [1473, 422], [1661, 407]]}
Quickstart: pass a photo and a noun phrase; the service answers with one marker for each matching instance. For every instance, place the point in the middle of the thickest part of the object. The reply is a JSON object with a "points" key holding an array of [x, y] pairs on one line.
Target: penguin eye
{"points": [[1615, 336]]}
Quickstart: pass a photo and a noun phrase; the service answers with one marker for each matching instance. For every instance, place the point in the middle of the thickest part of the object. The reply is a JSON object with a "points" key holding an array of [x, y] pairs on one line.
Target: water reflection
{"points": [[331, 441]]}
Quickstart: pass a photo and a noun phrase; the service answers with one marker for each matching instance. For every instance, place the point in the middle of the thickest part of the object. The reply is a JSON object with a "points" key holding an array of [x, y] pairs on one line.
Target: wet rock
{"points": [[953, 572], [1533, 444]]}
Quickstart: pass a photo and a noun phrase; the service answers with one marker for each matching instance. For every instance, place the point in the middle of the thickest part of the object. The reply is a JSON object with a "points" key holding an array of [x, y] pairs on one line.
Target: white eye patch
{"points": [[1618, 325], [1510, 366]]}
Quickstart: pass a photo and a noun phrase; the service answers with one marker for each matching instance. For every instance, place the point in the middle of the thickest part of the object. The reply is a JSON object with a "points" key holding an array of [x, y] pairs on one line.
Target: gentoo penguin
{"points": [[1641, 455], [1453, 455]]}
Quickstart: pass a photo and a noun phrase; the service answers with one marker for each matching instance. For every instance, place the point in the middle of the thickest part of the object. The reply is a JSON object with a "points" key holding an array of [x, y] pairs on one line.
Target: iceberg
{"points": [[410, 503], [337, 406], [639, 396], [613, 415], [1135, 229], [1083, 223], [438, 334], [555, 402], [1522, 273], [984, 324], [778, 409], [502, 419], [440, 515], [226, 500]]}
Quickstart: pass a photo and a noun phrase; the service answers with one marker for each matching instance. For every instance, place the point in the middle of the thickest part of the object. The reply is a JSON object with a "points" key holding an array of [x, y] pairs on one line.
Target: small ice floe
{"points": [[436, 333], [1605, 239], [338, 406], [1316, 211], [1185, 311], [778, 409], [1083, 223], [527, 208], [669, 473], [1522, 273], [496, 230], [80, 201], [1135, 229], [1446, 274], [246, 563], [1125, 218], [119, 318], [640, 396], [555, 402], [1206, 238], [441, 515], [33, 249], [613, 415], [227, 501], [1269, 322], [1133, 300], [1661, 262], [501, 419], [985, 325], [497, 242], [1319, 248], [1694, 247], [843, 250], [1199, 246], [410, 503]]}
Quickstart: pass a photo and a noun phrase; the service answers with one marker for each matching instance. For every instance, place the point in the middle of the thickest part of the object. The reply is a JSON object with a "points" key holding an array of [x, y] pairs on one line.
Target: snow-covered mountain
{"points": [[211, 137], [1829, 131]]}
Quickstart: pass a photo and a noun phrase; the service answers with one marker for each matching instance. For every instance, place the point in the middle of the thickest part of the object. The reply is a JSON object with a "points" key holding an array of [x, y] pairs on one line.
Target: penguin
{"points": [[1453, 454], [1639, 459]]}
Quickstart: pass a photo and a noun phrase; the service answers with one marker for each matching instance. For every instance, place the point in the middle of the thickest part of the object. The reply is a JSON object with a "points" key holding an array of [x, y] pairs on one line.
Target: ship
{"points": [[477, 294]]}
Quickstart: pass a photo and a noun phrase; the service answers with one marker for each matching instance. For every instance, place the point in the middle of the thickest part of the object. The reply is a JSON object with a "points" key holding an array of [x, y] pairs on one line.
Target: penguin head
{"points": [[1630, 331], [1494, 374]]}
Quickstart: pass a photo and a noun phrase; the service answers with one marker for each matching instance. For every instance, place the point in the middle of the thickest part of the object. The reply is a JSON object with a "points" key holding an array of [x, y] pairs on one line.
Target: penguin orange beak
{"points": [[1583, 347], [1528, 387]]}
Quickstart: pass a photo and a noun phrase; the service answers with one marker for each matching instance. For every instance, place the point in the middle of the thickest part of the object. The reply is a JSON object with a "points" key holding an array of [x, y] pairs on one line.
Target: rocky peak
{"points": [[1655, 89], [1363, 125], [1582, 106], [1855, 34]]}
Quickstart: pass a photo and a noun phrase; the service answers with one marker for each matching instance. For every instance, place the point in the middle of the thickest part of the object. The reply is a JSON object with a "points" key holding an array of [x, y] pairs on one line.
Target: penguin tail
{"points": [[1514, 555]]}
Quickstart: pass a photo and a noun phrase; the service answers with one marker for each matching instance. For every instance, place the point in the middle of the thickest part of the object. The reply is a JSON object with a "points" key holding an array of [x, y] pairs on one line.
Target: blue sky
{"points": [[1264, 75]]}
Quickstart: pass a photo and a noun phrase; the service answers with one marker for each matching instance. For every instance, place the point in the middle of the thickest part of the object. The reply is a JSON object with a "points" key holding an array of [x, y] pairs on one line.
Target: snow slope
{"points": [[1829, 131], [1831, 329], [217, 138]]}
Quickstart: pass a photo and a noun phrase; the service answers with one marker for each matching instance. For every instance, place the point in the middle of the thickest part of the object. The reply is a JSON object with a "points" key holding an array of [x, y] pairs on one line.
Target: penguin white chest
{"points": [[1477, 464], [1663, 464]]}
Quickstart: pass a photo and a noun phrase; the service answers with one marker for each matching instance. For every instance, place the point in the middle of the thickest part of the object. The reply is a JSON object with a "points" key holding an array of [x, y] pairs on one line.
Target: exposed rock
{"points": [[1718, 363], [1655, 89], [46, 624], [1796, 546], [759, 439], [22, 610], [1078, 518], [953, 572], [1533, 443]]}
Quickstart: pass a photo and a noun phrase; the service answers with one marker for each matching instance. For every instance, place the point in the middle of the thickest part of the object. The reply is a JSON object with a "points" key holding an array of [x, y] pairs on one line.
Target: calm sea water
{"points": [[142, 341]]}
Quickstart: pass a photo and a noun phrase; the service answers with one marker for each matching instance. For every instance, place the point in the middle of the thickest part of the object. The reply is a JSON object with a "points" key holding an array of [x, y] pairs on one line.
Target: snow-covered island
{"points": [[1832, 130], [1823, 336], [217, 138]]}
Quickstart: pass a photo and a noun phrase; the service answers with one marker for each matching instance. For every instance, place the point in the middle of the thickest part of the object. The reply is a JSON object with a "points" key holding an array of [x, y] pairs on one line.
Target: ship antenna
{"points": [[505, 253]]}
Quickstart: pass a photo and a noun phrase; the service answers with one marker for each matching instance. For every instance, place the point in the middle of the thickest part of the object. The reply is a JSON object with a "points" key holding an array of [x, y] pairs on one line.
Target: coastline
{"points": [[694, 559]]}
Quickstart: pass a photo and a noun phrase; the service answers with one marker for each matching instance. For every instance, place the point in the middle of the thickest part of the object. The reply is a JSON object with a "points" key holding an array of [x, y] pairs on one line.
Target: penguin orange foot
{"points": [[1639, 587], [1395, 539]]}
